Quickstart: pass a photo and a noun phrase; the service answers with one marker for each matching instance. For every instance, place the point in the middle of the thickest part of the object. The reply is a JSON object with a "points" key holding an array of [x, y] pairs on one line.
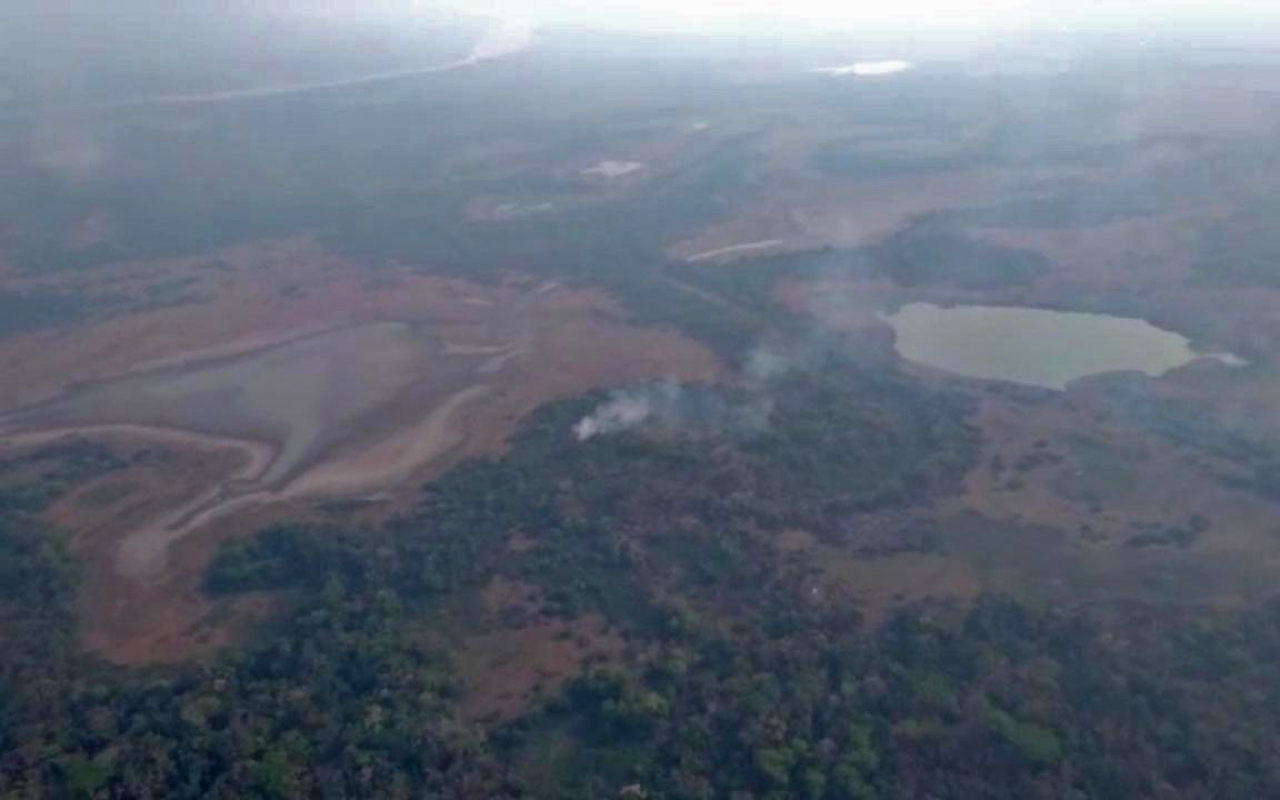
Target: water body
{"points": [[1034, 346]]}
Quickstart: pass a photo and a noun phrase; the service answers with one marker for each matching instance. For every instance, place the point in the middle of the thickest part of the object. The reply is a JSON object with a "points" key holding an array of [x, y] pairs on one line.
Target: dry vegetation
{"points": [[547, 342], [513, 655], [551, 341]]}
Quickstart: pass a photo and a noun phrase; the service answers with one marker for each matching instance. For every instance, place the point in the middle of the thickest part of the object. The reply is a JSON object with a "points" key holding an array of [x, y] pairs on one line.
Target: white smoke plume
{"points": [[624, 410], [846, 323], [668, 406]]}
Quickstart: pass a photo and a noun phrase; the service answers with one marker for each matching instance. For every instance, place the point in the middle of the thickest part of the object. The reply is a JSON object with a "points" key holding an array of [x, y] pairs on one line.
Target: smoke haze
{"points": [[672, 408]]}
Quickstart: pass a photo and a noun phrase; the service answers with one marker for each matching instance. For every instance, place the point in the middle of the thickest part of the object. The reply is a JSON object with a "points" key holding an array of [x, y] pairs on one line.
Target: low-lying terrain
{"points": [[538, 428]]}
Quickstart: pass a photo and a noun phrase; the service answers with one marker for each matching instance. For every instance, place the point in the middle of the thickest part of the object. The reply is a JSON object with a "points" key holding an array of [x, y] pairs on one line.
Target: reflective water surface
{"points": [[1036, 346]]}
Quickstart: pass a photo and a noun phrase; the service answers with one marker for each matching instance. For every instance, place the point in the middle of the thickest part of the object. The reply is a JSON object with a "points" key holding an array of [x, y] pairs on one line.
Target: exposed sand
{"points": [[143, 550], [286, 406], [294, 395], [473, 361], [349, 412], [394, 459]]}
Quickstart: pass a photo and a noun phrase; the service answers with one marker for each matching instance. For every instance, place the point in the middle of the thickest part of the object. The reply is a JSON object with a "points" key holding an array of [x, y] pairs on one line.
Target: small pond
{"points": [[1035, 346]]}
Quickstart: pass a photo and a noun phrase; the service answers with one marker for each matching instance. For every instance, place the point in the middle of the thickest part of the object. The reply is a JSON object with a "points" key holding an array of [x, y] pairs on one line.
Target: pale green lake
{"points": [[1035, 346]]}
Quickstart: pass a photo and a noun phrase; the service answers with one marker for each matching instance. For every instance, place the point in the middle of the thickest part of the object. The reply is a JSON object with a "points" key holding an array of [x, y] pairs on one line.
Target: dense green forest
{"points": [[742, 675], [740, 683]]}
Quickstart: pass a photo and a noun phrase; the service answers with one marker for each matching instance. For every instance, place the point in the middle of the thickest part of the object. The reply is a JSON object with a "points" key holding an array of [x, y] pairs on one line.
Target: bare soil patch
{"points": [[135, 621], [522, 343], [521, 656]]}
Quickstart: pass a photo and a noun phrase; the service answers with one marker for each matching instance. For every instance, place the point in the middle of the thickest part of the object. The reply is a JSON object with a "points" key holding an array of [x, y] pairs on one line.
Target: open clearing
{"points": [[513, 655], [277, 374], [352, 387], [1076, 499]]}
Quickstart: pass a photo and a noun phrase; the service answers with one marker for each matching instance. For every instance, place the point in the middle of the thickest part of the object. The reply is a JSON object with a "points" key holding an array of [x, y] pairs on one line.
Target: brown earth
{"points": [[550, 341], [546, 342], [514, 655], [168, 618], [139, 622], [1063, 527]]}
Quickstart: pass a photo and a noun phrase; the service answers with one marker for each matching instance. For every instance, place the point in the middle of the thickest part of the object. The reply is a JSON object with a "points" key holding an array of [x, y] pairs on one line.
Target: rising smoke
{"points": [[667, 406], [629, 408], [699, 410]]}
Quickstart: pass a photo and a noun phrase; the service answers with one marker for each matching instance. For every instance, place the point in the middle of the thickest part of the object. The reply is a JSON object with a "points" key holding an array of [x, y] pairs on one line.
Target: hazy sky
{"points": [[695, 14], [827, 13]]}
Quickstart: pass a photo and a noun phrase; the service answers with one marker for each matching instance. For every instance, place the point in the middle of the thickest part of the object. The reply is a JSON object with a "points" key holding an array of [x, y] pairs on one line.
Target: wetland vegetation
{"points": [[790, 566], [750, 674]]}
